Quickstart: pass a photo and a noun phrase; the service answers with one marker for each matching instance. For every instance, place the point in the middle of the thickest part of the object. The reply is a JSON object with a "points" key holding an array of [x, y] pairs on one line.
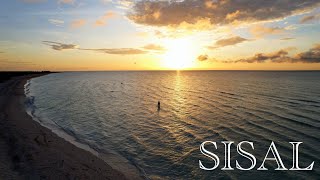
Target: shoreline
{"points": [[32, 151]]}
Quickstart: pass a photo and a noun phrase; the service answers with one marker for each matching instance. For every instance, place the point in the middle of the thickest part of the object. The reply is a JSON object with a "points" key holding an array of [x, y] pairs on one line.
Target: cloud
{"points": [[169, 34], [154, 47], [6, 62], [34, 1], [56, 22], [125, 3], [233, 15], [142, 34], [219, 12], [309, 18], [286, 39], [204, 57], [66, 1], [260, 31], [60, 46], [122, 4], [78, 23], [102, 21], [228, 42], [311, 56], [281, 56], [106, 1], [119, 51]]}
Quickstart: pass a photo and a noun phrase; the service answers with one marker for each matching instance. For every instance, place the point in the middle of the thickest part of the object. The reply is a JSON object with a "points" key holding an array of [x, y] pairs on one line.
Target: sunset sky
{"points": [[80, 35]]}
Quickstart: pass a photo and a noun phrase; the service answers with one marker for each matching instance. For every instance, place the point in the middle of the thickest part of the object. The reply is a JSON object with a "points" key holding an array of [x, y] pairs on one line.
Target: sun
{"points": [[181, 54]]}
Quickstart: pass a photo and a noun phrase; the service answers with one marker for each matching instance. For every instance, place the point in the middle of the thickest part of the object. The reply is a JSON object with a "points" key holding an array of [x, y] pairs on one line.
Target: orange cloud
{"points": [[154, 47], [203, 57], [228, 42], [102, 21], [234, 15], [287, 38], [142, 34], [219, 12], [259, 31], [310, 18], [78, 23], [210, 4], [281, 56]]}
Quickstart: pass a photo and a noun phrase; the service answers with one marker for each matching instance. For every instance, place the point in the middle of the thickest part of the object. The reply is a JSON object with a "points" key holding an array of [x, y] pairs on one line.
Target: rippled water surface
{"points": [[117, 111]]}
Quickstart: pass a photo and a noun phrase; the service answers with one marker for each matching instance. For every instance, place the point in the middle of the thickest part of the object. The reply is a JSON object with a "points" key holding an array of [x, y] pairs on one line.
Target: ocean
{"points": [[117, 112]]}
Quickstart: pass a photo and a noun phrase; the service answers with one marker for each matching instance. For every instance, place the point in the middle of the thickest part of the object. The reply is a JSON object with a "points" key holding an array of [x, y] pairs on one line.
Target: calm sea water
{"points": [[117, 111]]}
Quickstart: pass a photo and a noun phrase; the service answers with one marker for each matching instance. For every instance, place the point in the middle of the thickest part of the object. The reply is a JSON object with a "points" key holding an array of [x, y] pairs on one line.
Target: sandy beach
{"points": [[31, 151]]}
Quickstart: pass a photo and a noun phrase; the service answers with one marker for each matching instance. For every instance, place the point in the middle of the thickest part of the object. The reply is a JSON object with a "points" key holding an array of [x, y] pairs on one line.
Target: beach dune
{"points": [[31, 151]]}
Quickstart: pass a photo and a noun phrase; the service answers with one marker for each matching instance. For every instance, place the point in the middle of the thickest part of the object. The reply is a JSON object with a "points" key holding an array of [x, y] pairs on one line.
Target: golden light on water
{"points": [[181, 54]]}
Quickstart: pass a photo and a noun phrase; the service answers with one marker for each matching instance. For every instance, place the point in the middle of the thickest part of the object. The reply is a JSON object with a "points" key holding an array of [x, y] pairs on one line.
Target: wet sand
{"points": [[31, 151]]}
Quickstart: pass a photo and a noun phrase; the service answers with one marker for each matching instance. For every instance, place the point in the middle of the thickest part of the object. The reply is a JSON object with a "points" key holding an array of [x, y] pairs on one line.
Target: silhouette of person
{"points": [[158, 105]]}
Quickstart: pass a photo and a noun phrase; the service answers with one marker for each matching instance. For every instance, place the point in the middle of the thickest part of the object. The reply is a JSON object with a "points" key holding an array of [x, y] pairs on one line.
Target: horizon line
{"points": [[158, 70]]}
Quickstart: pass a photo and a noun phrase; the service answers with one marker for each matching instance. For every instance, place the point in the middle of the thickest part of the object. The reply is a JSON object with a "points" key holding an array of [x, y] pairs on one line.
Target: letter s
{"points": [[246, 155], [209, 154]]}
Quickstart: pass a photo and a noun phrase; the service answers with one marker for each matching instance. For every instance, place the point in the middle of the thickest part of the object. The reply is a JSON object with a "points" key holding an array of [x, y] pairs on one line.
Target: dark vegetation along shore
{"points": [[6, 75], [31, 151]]}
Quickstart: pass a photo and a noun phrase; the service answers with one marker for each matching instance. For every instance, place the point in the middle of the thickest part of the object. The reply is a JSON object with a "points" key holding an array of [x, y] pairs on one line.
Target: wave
{"points": [[117, 161]]}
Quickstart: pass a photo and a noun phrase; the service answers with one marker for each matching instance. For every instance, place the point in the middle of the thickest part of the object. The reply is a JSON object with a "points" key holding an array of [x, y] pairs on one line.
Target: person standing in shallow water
{"points": [[158, 105]]}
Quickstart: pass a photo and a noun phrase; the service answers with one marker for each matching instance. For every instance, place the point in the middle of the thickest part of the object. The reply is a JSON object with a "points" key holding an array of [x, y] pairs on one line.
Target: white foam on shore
{"points": [[113, 159], [31, 108]]}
